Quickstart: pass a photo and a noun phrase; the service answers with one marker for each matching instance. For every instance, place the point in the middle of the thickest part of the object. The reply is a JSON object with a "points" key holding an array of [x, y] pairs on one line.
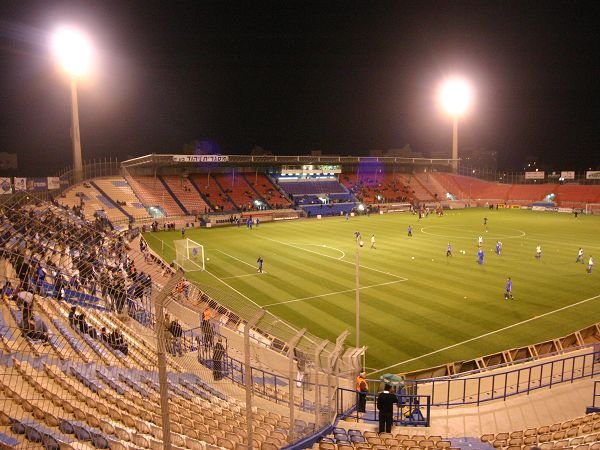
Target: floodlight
{"points": [[455, 96], [73, 50]]}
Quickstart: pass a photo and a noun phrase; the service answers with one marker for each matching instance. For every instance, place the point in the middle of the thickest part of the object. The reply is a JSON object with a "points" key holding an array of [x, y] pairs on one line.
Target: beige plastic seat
{"points": [[225, 443], [515, 442], [487, 437]]}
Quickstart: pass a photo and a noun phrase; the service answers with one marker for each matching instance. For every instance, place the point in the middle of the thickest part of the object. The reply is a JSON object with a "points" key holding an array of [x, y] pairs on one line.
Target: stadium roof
{"points": [[176, 160]]}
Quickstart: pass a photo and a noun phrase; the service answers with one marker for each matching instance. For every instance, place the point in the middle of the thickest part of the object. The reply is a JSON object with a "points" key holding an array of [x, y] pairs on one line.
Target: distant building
{"points": [[480, 158]]}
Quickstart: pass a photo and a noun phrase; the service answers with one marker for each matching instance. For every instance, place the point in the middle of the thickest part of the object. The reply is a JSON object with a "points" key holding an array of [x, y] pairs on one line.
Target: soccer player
{"points": [[480, 241], [538, 251], [259, 261], [508, 293], [590, 265], [373, 241], [498, 247], [449, 250], [485, 222], [410, 231], [357, 235], [580, 256], [480, 255]]}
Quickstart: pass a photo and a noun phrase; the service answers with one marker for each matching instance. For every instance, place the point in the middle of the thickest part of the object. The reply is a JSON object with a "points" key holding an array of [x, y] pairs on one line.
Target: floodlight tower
{"points": [[455, 96], [73, 51]]}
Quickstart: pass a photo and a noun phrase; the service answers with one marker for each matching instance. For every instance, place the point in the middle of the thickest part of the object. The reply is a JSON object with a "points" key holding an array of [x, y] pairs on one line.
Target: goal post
{"points": [[592, 208], [189, 255]]}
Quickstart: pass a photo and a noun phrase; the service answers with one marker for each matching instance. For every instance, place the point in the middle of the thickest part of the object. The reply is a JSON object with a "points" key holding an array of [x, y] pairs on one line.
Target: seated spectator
{"points": [[104, 336], [72, 316], [41, 329], [84, 327], [7, 289], [116, 341], [34, 329]]}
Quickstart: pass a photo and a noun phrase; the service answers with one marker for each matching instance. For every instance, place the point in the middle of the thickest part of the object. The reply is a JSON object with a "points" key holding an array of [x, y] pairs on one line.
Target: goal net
{"points": [[189, 255], [592, 208]]}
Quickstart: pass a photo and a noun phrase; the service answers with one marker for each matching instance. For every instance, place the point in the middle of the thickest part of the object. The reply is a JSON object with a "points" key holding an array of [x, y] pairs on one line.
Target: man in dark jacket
{"points": [[385, 404]]}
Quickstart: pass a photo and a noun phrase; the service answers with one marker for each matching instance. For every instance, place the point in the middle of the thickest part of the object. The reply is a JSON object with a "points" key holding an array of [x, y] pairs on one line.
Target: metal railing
{"points": [[410, 410], [596, 402], [460, 390]]}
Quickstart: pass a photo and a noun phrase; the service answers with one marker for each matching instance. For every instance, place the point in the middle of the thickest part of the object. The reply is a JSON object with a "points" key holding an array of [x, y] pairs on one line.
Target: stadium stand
{"points": [[92, 203], [577, 195], [527, 193], [219, 200], [152, 192], [187, 194], [119, 191], [83, 388], [367, 188], [414, 184], [267, 190], [312, 187], [238, 190]]}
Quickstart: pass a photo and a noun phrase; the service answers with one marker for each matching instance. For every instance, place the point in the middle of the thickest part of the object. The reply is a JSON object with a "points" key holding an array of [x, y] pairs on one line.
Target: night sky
{"points": [[291, 77]]}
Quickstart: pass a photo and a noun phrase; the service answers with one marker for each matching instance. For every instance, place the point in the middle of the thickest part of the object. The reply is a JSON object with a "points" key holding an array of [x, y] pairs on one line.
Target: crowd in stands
{"points": [[55, 253]]}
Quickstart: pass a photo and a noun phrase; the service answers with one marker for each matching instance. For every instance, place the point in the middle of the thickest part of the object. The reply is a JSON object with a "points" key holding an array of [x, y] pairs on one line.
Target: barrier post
{"points": [[159, 301]]}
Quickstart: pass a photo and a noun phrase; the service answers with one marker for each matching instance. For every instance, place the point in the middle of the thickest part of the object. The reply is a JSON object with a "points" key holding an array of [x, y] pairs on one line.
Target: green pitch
{"points": [[418, 308]]}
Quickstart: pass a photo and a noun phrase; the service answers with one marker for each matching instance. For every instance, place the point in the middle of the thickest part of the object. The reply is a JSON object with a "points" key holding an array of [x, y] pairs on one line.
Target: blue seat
{"points": [[8, 440]]}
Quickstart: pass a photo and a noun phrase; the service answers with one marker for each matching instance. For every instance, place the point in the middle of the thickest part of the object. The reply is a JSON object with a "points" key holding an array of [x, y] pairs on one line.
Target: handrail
{"points": [[480, 389]]}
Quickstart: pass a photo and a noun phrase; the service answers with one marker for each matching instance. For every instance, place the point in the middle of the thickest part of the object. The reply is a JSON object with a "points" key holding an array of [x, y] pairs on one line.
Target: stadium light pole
{"points": [[73, 52], [357, 293], [455, 96]]}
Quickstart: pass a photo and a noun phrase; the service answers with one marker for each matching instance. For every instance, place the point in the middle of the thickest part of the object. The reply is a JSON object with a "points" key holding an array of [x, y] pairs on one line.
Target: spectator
{"points": [[219, 361], [362, 387], [177, 333], [207, 329], [104, 337], [385, 404], [168, 334], [72, 316], [116, 341]]}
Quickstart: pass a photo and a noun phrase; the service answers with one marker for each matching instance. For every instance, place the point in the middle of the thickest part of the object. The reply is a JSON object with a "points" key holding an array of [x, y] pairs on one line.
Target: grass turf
{"points": [[421, 312]]}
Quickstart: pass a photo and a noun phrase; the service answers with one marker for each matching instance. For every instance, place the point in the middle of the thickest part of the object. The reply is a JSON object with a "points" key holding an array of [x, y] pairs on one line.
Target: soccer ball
{"points": [[361, 243], [208, 259]]}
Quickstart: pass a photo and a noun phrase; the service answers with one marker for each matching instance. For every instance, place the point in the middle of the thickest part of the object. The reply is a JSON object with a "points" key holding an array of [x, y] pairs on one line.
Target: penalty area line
{"points": [[245, 275], [333, 293], [237, 259], [508, 327]]}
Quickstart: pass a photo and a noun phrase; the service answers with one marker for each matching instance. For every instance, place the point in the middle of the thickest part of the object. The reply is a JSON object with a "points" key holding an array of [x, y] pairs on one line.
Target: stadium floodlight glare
{"points": [[73, 51], [455, 96]]}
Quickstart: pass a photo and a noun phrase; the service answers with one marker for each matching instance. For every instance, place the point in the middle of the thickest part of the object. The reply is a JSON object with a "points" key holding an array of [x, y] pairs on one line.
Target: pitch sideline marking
{"points": [[488, 334], [332, 257], [333, 293]]}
